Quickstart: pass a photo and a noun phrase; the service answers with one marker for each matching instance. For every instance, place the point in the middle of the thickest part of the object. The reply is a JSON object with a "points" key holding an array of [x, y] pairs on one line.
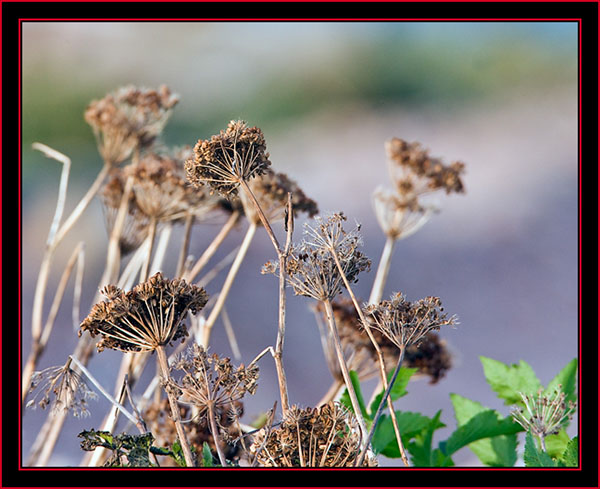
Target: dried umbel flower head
{"points": [[326, 436], [271, 191], [431, 356], [129, 118], [407, 323], [62, 388], [161, 191], [152, 314], [312, 270], [211, 382], [544, 414], [223, 161], [415, 172]]}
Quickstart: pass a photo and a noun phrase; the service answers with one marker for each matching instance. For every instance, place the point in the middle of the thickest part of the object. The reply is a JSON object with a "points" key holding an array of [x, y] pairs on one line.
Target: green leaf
{"points": [[535, 457], [508, 380], [557, 444], [498, 451], [345, 399], [409, 424], [483, 425], [398, 389], [207, 458], [570, 457], [178, 454], [567, 379], [420, 449]]}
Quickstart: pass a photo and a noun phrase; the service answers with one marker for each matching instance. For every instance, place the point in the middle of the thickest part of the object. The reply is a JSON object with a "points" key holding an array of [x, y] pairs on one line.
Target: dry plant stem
{"points": [[39, 346], [382, 270], [214, 430], [151, 236], [382, 372], [189, 222], [185, 444], [190, 275], [344, 368], [261, 215], [379, 411], [235, 266]]}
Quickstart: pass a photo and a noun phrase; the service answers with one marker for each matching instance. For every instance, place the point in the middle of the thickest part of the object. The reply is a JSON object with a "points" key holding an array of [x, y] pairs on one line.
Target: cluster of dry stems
{"points": [[196, 396]]}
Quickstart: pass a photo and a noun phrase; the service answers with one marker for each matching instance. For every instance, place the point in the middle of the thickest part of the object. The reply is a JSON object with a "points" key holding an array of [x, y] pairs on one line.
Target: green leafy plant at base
{"points": [[492, 437]]}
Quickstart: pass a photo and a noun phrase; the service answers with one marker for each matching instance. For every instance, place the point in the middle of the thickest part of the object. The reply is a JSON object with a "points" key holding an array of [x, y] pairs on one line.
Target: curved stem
{"points": [[151, 236], [331, 393], [189, 221], [215, 433]]}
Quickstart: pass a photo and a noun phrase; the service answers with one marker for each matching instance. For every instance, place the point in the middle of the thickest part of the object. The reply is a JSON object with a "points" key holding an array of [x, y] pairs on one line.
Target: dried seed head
{"points": [[150, 315], [212, 380], [129, 118], [544, 414], [62, 388], [271, 191], [327, 436], [235, 154], [311, 267], [407, 323]]}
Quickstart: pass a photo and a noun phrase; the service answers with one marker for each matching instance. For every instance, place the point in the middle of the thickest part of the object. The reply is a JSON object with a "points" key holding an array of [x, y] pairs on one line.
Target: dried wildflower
{"points": [[148, 316], [235, 154], [62, 388], [407, 323], [415, 172], [311, 267], [545, 415], [211, 381], [127, 119], [431, 357], [271, 191], [327, 436], [161, 191]]}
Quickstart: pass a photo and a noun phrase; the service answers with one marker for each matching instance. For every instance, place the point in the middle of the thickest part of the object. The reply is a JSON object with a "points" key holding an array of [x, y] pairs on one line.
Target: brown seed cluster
{"points": [[326, 436], [407, 323], [62, 388], [312, 270], [431, 356], [235, 154], [271, 191], [129, 118], [152, 314], [209, 381]]}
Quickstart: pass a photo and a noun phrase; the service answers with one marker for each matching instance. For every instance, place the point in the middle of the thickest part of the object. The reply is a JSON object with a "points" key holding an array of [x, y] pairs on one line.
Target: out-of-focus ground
{"points": [[500, 97]]}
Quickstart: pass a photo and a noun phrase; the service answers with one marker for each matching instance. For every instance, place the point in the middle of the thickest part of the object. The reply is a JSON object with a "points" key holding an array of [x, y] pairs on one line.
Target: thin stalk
{"points": [[261, 215], [382, 270], [380, 359], [215, 433], [343, 367], [185, 445], [379, 411], [235, 266], [185, 244], [212, 248], [151, 236], [332, 393]]}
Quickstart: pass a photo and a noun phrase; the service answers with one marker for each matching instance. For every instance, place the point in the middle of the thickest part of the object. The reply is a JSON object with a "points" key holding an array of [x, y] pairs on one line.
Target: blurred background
{"points": [[501, 97]]}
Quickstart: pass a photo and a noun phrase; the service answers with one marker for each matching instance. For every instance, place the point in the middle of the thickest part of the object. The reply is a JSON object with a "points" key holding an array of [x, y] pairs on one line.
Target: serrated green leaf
{"points": [[557, 444], [345, 399], [533, 456], [483, 425], [570, 457], [508, 380], [207, 458], [567, 379], [398, 389], [409, 424], [498, 451], [420, 449]]}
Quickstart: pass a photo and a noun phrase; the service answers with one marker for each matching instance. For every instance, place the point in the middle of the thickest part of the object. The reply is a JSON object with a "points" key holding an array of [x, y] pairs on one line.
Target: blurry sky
{"points": [[501, 97]]}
